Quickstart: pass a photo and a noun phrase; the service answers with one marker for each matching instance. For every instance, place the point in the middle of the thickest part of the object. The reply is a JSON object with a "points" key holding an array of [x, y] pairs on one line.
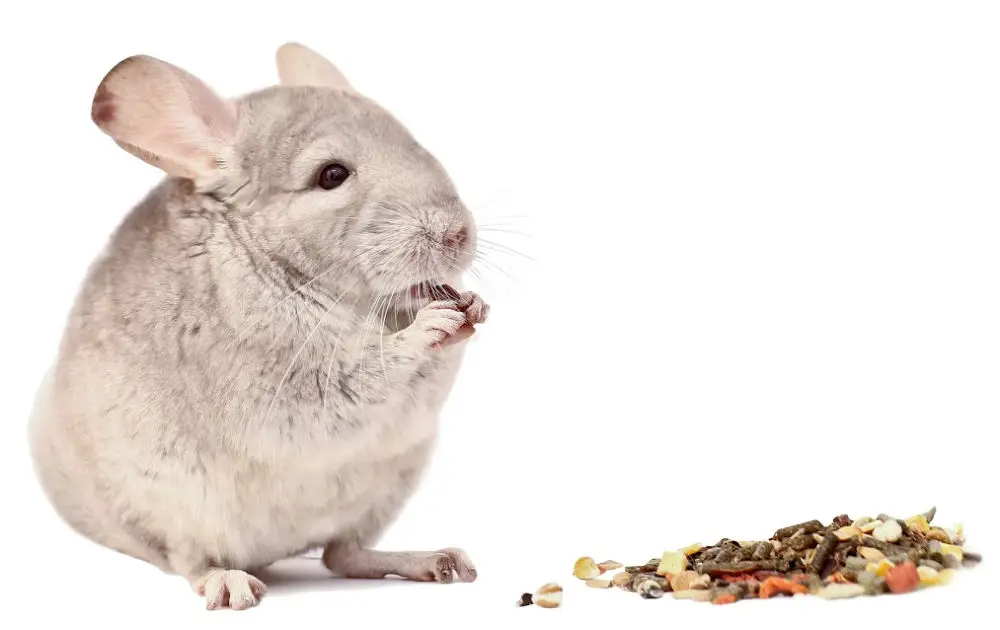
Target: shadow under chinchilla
{"points": [[308, 575]]}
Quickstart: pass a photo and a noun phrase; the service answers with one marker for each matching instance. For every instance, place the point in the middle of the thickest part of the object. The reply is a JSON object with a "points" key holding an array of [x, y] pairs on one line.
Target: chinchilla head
{"points": [[322, 178]]}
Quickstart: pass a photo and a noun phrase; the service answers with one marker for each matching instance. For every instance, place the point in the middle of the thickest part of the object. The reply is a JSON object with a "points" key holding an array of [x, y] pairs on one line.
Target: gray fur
{"points": [[226, 394]]}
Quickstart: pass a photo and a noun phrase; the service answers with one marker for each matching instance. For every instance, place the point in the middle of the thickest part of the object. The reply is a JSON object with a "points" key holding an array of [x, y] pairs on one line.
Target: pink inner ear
{"points": [[165, 116]]}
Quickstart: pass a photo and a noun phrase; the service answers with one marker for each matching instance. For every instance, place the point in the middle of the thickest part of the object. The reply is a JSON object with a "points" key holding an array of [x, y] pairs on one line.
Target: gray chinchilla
{"points": [[256, 363]]}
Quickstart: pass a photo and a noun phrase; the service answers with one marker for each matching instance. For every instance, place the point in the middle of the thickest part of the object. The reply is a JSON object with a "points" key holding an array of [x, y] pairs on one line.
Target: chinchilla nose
{"points": [[456, 237]]}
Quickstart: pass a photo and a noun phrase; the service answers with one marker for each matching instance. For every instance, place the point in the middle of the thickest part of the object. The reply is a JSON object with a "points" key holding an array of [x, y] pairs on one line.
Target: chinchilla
{"points": [[256, 363]]}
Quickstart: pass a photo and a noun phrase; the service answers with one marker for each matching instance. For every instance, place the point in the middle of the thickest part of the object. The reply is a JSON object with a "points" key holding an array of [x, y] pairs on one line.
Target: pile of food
{"points": [[842, 559]]}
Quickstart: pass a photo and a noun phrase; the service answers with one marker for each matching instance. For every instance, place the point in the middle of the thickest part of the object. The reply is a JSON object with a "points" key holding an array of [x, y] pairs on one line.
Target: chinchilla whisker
{"points": [[370, 320], [333, 355], [503, 248], [501, 230], [291, 363], [259, 319]]}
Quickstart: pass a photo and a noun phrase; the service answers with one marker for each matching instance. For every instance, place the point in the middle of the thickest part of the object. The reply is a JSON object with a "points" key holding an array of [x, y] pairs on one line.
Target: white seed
{"points": [[871, 553], [862, 521], [890, 532], [549, 596]]}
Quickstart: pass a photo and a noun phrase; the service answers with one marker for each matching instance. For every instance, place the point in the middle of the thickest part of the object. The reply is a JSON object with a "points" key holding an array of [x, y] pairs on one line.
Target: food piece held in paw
{"points": [[586, 569], [445, 292], [527, 599], [550, 595], [672, 563]]}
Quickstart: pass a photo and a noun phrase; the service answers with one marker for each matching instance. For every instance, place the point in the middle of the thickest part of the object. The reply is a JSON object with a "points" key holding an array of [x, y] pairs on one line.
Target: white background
{"points": [[763, 286]]}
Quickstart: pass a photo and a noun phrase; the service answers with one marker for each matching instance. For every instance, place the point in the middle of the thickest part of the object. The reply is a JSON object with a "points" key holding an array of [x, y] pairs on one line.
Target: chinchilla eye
{"points": [[332, 176]]}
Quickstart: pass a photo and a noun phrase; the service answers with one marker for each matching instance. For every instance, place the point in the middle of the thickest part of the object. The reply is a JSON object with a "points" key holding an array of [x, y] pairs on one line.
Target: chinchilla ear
{"points": [[165, 117], [299, 65]]}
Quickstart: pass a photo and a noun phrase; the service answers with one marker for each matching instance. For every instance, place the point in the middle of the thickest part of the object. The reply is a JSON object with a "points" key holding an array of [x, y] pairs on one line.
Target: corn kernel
{"points": [[953, 550], [586, 569], [672, 563], [928, 576], [880, 568], [918, 523]]}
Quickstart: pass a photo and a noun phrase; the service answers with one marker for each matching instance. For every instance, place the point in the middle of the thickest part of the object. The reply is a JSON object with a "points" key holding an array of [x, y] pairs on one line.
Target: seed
{"points": [[841, 591], [599, 583], [622, 580], [880, 568], [889, 532], [608, 565], [672, 563], [649, 589], [847, 533], [870, 553], [931, 564], [856, 563], [870, 526], [928, 576], [526, 600], [586, 569], [687, 580], [550, 595], [953, 550], [903, 578], [860, 522], [970, 558]]}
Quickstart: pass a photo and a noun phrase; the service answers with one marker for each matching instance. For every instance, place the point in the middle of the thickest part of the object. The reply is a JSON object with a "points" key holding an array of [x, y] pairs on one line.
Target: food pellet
{"points": [[843, 559]]}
